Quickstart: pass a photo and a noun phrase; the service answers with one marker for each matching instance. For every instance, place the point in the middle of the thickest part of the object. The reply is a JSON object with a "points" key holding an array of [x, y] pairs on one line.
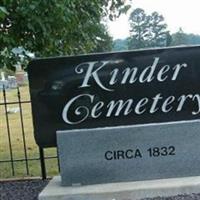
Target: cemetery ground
{"points": [[17, 140]]}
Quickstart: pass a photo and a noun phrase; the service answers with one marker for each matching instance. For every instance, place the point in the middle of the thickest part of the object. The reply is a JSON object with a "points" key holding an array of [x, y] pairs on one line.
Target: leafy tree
{"points": [[120, 44], [157, 30], [193, 39], [182, 38], [104, 41], [55, 27], [168, 39], [147, 30], [139, 23], [179, 38]]}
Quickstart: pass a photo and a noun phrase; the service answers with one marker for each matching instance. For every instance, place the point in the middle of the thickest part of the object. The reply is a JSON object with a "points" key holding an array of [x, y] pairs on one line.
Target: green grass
{"points": [[17, 141]]}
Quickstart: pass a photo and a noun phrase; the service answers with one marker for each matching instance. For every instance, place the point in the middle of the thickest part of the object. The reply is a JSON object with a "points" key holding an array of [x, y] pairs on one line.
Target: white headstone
{"points": [[3, 76]]}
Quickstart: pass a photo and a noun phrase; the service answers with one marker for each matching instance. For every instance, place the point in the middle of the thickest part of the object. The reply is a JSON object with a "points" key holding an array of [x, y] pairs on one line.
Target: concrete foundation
{"points": [[121, 191]]}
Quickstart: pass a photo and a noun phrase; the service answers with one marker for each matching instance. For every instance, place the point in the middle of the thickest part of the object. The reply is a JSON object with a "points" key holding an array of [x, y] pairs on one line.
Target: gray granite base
{"points": [[121, 191], [129, 153]]}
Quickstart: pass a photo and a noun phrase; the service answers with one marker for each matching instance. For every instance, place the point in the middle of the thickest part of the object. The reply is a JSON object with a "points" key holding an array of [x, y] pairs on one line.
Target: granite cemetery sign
{"points": [[149, 101]]}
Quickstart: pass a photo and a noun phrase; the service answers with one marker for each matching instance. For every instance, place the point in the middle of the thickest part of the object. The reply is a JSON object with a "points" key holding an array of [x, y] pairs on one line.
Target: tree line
{"points": [[151, 31]]}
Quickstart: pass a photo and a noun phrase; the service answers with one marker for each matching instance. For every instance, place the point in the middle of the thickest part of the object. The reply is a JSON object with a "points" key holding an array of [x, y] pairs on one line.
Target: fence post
{"points": [[23, 132], [8, 131], [57, 151], [42, 163]]}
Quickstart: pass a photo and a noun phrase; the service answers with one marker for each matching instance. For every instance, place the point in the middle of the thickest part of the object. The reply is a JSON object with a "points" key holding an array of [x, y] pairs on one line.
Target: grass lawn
{"points": [[17, 139]]}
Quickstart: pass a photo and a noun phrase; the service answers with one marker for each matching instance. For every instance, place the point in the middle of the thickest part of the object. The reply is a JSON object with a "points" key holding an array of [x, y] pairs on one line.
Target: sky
{"points": [[177, 13]]}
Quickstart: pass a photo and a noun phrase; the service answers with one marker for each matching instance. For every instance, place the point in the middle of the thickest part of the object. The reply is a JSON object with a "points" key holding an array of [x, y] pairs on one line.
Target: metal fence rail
{"points": [[26, 159]]}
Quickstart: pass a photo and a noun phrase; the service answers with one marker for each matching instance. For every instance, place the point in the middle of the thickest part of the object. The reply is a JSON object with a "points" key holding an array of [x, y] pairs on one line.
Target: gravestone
{"points": [[3, 76], [119, 117], [8, 83], [3, 84], [3, 81], [20, 78], [12, 82]]}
